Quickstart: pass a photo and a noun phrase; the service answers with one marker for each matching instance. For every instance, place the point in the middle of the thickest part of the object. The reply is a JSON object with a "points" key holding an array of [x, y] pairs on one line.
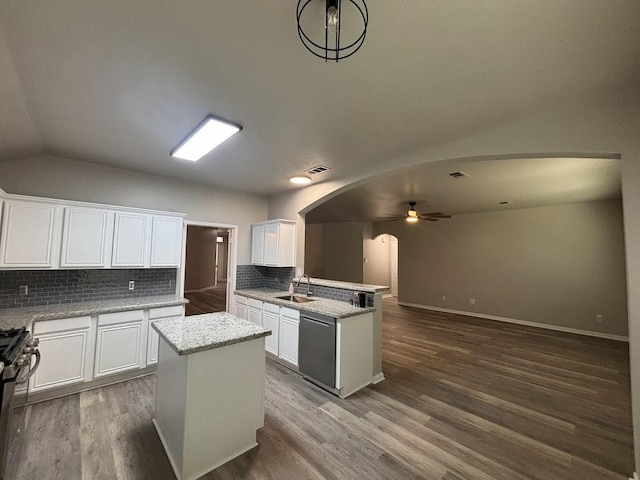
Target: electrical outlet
{"points": [[171, 282], [472, 301], [132, 285], [23, 290], [599, 317], [444, 298], [298, 272]]}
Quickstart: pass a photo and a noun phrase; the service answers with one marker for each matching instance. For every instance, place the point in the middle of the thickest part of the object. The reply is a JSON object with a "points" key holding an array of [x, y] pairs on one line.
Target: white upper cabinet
{"points": [[257, 244], [274, 243], [130, 239], [86, 237], [166, 242], [28, 235]]}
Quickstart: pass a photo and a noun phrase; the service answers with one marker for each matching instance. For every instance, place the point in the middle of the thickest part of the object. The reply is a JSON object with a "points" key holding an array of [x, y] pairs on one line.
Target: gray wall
{"points": [[558, 265], [335, 251], [200, 258], [56, 177]]}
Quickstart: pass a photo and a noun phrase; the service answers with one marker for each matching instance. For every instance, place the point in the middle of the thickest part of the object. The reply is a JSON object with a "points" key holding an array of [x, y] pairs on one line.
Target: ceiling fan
{"points": [[413, 216]]}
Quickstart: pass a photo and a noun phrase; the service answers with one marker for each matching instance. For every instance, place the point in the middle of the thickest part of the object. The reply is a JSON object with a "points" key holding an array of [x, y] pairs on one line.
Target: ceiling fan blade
{"points": [[437, 215], [428, 218]]}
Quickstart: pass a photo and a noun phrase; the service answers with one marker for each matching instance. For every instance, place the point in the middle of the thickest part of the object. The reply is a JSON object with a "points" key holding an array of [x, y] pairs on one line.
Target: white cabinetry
{"points": [[274, 243], [67, 353], [156, 314], [119, 342], [241, 307], [28, 237], [166, 241], [86, 237], [130, 240], [257, 244], [288, 335], [271, 321], [254, 311]]}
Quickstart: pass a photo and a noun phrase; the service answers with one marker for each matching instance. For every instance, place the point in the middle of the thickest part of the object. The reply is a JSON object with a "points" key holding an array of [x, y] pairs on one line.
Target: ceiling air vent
{"points": [[316, 170], [459, 174]]}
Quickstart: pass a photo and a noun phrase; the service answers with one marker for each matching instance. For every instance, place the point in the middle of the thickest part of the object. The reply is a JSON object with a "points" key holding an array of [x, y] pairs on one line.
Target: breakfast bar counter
{"points": [[210, 390]]}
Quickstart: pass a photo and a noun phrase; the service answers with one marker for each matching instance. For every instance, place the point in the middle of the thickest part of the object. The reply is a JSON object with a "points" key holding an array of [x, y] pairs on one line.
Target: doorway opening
{"points": [[206, 268]]}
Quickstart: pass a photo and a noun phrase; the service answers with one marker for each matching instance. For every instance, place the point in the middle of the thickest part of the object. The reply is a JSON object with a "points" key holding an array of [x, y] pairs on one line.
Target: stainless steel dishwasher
{"points": [[317, 349]]}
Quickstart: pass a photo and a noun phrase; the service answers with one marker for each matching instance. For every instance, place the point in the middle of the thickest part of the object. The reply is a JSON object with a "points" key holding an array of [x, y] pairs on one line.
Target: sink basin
{"points": [[296, 298]]}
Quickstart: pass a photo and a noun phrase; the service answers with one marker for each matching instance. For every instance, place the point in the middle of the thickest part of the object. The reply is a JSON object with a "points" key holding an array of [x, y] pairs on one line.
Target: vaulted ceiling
{"points": [[121, 83]]}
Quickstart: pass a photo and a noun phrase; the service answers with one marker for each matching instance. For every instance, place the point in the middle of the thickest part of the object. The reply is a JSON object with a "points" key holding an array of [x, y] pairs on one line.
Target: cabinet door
{"points": [[84, 237], [254, 315], [64, 360], [241, 310], [257, 244], [129, 240], [27, 235], [271, 321], [152, 344], [271, 256], [166, 242], [288, 344], [118, 348]]}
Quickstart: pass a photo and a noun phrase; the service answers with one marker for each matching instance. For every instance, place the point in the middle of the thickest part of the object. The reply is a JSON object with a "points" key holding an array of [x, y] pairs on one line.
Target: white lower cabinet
{"points": [[155, 314], [119, 343], [67, 353], [288, 335], [254, 311], [271, 321], [241, 307]]}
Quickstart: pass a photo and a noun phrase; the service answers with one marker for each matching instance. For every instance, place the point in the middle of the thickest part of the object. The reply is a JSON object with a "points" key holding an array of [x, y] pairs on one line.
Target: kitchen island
{"points": [[210, 390]]}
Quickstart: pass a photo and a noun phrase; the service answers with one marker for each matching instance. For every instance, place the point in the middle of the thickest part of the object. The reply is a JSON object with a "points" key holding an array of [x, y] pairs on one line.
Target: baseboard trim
{"points": [[22, 398], [635, 476], [210, 287], [377, 378], [576, 331]]}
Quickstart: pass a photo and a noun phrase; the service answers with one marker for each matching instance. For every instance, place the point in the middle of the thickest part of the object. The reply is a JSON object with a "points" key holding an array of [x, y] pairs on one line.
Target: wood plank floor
{"points": [[464, 398], [209, 301]]}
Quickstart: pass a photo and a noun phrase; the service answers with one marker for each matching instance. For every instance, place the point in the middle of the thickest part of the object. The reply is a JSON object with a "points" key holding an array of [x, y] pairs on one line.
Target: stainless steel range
{"points": [[16, 350]]}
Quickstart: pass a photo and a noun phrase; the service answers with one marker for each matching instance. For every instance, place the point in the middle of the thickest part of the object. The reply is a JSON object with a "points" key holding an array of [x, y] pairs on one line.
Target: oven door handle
{"points": [[31, 371]]}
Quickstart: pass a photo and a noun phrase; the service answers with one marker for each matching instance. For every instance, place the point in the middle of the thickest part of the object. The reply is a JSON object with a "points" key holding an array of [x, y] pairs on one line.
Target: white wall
{"points": [[559, 265], [56, 177], [377, 261]]}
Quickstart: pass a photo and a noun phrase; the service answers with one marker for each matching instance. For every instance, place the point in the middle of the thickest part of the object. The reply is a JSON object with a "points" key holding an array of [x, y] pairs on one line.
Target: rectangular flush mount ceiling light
{"points": [[207, 136]]}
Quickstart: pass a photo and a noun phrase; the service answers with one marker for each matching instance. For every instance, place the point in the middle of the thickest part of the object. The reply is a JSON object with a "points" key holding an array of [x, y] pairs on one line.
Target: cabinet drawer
{"points": [[252, 302], [241, 300], [174, 311], [290, 313], [120, 317], [271, 308], [61, 325]]}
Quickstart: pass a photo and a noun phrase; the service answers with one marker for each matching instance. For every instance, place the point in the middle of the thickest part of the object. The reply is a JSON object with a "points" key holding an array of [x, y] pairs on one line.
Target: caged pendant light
{"points": [[334, 47]]}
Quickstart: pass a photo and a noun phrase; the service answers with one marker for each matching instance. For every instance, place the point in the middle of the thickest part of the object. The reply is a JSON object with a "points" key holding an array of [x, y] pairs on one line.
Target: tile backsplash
{"points": [[252, 276], [54, 287]]}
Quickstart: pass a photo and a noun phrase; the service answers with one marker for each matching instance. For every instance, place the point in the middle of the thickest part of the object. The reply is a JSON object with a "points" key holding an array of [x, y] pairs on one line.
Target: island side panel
{"points": [[225, 405], [355, 353], [171, 403]]}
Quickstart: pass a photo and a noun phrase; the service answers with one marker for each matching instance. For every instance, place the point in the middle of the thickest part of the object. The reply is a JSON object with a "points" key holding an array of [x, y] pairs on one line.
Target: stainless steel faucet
{"points": [[309, 292]]}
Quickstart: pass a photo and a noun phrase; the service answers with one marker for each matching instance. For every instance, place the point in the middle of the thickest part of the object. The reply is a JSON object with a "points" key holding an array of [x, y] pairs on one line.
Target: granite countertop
{"points": [[24, 317], [203, 332], [356, 287], [324, 306]]}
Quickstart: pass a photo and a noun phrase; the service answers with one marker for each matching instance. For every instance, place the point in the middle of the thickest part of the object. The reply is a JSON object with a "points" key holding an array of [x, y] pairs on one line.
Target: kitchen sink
{"points": [[296, 298]]}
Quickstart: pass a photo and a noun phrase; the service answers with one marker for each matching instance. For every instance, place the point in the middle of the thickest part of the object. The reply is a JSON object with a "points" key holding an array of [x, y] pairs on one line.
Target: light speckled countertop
{"points": [[24, 317], [203, 332], [356, 287], [324, 306]]}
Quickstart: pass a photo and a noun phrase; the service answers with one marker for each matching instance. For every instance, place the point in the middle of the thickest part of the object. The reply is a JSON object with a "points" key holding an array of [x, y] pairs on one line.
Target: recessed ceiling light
{"points": [[301, 180], [207, 136]]}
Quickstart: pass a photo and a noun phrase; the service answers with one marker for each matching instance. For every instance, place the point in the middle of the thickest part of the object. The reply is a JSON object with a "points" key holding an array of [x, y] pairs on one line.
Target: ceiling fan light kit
{"points": [[333, 47], [413, 216]]}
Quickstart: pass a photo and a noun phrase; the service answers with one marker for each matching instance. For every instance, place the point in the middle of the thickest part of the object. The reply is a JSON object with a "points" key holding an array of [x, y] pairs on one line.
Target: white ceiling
{"points": [[121, 83], [523, 182]]}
